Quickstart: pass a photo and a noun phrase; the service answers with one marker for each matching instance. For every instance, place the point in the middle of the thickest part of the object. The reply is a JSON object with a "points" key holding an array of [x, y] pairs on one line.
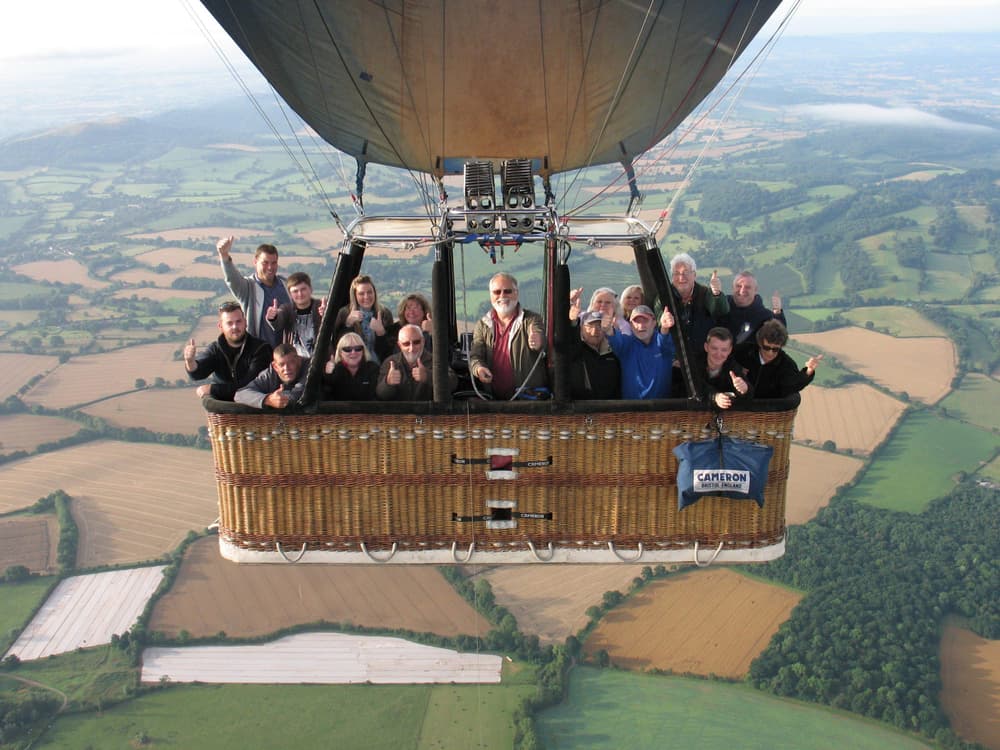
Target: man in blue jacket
{"points": [[647, 356]]}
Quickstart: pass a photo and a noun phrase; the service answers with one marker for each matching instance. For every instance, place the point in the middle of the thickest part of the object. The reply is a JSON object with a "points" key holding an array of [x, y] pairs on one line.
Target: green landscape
{"points": [[890, 230]]}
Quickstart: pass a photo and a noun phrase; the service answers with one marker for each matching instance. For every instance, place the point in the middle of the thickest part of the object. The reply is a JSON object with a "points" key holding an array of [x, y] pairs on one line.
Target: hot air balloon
{"points": [[510, 93]]}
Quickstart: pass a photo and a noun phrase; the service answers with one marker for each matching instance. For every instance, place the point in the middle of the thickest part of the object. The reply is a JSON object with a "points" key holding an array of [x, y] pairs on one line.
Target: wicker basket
{"points": [[497, 487]]}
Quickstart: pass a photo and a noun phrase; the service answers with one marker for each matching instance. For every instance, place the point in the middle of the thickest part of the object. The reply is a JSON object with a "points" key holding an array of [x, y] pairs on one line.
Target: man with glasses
{"points": [[233, 359], [406, 375], [770, 371], [508, 343]]}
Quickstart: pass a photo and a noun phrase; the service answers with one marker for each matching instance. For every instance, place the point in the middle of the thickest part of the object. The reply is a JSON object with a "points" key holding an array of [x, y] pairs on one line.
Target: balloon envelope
{"points": [[429, 84]]}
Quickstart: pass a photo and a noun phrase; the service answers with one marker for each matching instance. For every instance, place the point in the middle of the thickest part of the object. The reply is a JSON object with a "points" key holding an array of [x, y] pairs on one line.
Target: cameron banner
{"points": [[724, 466]]}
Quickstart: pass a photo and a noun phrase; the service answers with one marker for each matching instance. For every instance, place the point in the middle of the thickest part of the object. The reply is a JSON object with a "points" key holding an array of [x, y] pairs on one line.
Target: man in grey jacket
{"points": [[257, 291], [279, 386]]}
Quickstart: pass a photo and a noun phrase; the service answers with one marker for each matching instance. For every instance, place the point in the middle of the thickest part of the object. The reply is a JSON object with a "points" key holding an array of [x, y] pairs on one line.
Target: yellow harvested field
{"points": [[923, 367], [17, 369], [30, 541], [204, 333], [205, 234], [175, 257], [25, 432], [901, 321], [551, 601], [970, 682], [855, 416], [813, 478], [131, 501], [703, 622], [616, 254], [148, 277], [158, 409], [213, 594], [94, 376], [159, 294], [66, 271]]}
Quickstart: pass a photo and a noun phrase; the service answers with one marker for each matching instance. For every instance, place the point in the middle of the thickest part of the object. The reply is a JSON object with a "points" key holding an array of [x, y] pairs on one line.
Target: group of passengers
{"points": [[621, 348]]}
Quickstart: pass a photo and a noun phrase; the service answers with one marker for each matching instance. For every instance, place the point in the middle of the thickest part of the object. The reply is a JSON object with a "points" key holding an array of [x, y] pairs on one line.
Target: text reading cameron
{"points": [[721, 480]]}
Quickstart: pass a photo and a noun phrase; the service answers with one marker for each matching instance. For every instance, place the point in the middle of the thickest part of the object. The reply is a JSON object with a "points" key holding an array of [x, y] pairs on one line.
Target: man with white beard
{"points": [[507, 343], [406, 375]]}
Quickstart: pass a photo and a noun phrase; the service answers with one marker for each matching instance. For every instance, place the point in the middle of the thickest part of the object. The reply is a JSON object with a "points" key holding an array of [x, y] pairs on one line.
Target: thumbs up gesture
{"points": [[322, 306], [223, 247], [776, 303], [739, 383], [278, 399], [189, 351], [393, 376], [419, 372], [715, 283], [535, 338], [272, 311], [574, 303], [666, 321]]}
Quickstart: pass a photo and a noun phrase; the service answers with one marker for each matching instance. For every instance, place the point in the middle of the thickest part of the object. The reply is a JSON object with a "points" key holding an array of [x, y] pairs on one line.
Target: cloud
{"points": [[868, 114]]}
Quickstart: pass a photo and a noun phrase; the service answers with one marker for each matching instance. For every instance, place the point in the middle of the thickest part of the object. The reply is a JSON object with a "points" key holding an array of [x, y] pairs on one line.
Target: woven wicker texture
{"points": [[332, 481]]}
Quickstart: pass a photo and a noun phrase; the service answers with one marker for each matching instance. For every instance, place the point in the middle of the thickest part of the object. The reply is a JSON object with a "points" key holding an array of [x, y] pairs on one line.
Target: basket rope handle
{"points": [[286, 558], [534, 551], [364, 548], [468, 556], [638, 554], [711, 559]]}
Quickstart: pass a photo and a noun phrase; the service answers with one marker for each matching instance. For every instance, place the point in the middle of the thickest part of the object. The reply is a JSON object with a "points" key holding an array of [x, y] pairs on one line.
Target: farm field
{"points": [[158, 294], [854, 416], [551, 601], [372, 716], [30, 541], [920, 460], [321, 659], [900, 321], [710, 623], [970, 677], [814, 477], [25, 432], [18, 369], [213, 594], [176, 410], [131, 501], [613, 709], [205, 234], [94, 376], [85, 611], [922, 367], [67, 271], [976, 400], [19, 601]]}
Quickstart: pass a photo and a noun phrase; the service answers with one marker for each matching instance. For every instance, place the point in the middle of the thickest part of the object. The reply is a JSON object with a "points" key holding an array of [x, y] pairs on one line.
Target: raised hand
{"points": [[393, 376], [354, 316], [574, 303], [223, 247], [330, 364], [666, 321], [535, 338], [812, 363], [203, 390], [377, 328], [419, 372], [426, 325], [272, 311], [715, 283], [739, 383], [279, 399], [189, 353], [322, 306], [776, 303]]}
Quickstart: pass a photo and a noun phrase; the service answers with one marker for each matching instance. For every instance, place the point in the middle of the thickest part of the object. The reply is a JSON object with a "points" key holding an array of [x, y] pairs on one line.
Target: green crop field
{"points": [[19, 601], [611, 709], [236, 717], [920, 459], [899, 321], [977, 400], [829, 374], [89, 677]]}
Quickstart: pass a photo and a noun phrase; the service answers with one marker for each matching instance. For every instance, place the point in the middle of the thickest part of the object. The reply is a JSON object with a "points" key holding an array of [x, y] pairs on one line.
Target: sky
{"points": [[64, 27]]}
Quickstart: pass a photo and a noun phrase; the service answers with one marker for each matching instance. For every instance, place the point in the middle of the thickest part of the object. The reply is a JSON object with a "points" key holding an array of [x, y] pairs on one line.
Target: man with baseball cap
{"points": [[647, 356], [595, 372]]}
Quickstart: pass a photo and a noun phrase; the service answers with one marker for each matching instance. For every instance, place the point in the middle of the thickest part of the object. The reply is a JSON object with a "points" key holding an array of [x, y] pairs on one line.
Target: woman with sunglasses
{"points": [[350, 375], [770, 371]]}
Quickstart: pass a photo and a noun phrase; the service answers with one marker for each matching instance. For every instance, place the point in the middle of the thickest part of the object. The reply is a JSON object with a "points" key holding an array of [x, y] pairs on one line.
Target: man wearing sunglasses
{"points": [[406, 375], [770, 371], [507, 343]]}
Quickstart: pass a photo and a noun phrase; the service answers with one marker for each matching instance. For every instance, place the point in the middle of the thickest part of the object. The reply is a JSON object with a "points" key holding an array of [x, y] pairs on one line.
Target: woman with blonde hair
{"points": [[366, 317], [350, 375]]}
